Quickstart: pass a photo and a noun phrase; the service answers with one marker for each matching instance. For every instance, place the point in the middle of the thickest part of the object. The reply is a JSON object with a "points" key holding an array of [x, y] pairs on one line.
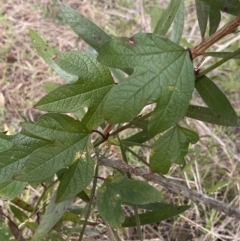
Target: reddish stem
{"points": [[222, 32]]}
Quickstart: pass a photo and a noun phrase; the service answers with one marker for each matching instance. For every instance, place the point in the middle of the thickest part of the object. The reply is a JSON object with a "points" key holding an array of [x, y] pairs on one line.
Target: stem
{"points": [[136, 120], [138, 224], [107, 130], [101, 140], [174, 187], [137, 156], [222, 32], [222, 61], [88, 211], [115, 235], [36, 207], [40, 199], [135, 209]]}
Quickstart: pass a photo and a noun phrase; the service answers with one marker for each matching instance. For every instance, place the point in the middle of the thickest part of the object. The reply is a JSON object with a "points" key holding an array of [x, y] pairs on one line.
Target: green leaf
{"points": [[75, 209], [118, 74], [50, 86], [109, 204], [77, 177], [222, 54], [206, 115], [215, 99], [94, 83], [55, 236], [202, 15], [85, 28], [138, 138], [178, 24], [155, 216], [70, 139], [53, 214], [170, 148], [141, 136], [83, 195], [11, 189], [217, 187], [13, 159], [214, 20], [47, 53], [23, 205], [228, 6], [163, 73], [71, 217], [167, 17], [136, 192], [18, 213], [5, 142], [120, 189], [123, 150], [155, 206], [22, 217]]}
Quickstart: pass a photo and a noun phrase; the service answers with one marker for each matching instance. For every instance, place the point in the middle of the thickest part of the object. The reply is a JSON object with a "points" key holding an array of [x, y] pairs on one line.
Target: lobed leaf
{"points": [[163, 73], [77, 177], [68, 136], [94, 83], [170, 148], [215, 99], [232, 7], [13, 159], [47, 53]]}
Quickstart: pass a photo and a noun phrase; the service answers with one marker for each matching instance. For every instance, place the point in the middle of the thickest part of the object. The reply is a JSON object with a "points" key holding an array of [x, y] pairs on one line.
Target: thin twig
{"points": [[222, 61], [222, 32], [107, 130], [89, 206], [174, 187], [110, 127]]}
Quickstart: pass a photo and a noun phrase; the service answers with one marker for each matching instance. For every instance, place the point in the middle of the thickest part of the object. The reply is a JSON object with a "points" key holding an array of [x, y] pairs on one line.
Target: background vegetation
{"points": [[213, 163]]}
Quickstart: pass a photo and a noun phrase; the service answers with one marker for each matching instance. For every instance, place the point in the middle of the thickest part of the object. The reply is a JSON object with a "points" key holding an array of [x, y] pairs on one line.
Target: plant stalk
{"points": [[101, 140], [88, 211], [222, 32], [222, 61]]}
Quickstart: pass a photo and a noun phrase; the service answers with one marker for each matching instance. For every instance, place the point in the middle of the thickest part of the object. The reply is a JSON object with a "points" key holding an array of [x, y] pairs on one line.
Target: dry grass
{"points": [[214, 161], [22, 72]]}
